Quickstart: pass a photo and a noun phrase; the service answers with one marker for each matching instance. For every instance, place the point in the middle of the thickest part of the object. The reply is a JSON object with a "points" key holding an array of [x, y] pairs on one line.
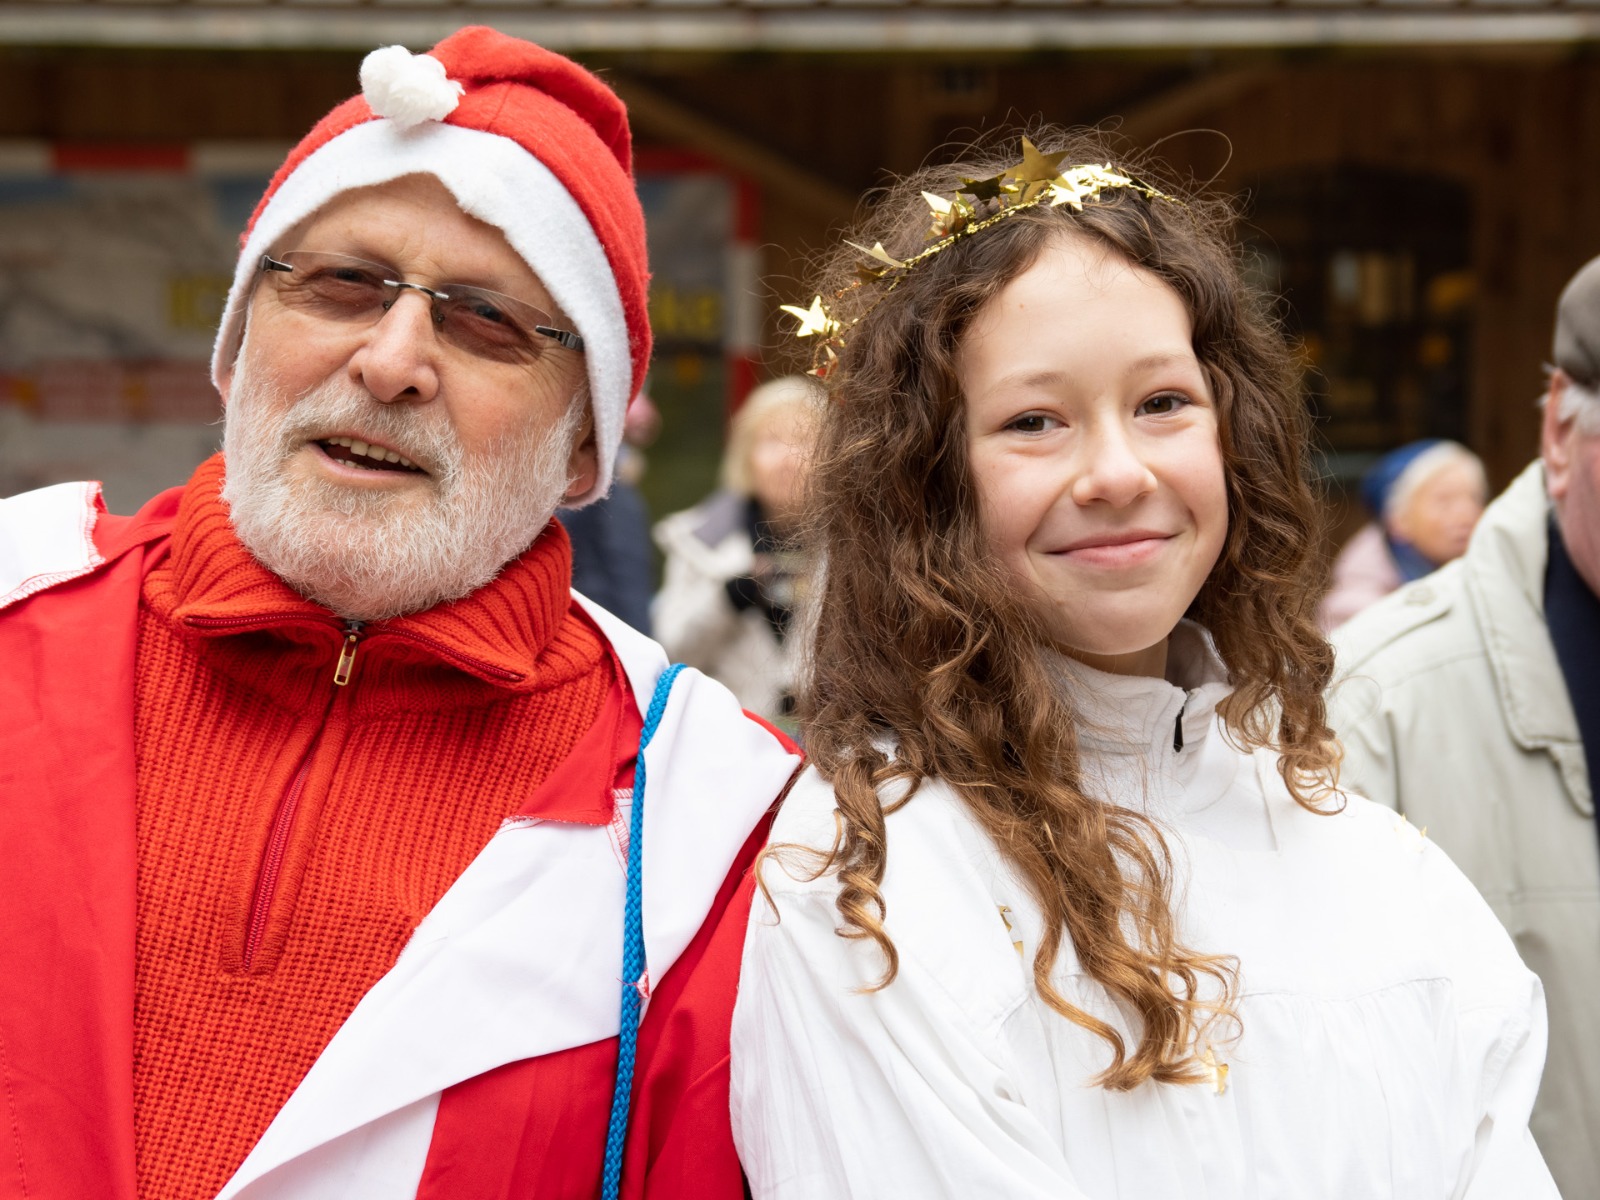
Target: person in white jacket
{"points": [[1068, 904], [734, 569]]}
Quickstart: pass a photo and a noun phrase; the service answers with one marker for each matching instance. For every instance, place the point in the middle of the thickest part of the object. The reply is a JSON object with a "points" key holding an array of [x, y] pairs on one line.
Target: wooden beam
{"points": [[1169, 111], [668, 120]]}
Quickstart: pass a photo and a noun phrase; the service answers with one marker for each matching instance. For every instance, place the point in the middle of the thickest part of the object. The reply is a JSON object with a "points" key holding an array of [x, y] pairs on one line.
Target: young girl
{"points": [[1068, 905]]}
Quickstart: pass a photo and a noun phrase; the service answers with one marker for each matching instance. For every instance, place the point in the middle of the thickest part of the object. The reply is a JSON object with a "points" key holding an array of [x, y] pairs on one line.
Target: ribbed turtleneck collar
{"points": [[506, 633]]}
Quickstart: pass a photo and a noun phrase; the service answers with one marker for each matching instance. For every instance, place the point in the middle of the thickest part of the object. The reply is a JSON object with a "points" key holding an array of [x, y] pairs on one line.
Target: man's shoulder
{"points": [[1419, 627], [47, 537], [56, 534]]}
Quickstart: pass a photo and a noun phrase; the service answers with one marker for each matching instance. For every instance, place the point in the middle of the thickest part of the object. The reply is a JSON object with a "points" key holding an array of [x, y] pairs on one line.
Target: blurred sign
{"points": [[112, 278], [689, 219], [114, 267]]}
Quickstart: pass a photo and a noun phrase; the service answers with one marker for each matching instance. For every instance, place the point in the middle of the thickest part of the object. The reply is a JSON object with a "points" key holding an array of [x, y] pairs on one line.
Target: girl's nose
{"points": [[1112, 469]]}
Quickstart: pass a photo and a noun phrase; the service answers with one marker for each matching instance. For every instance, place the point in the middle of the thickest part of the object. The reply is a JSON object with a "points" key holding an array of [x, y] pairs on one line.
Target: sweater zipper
{"points": [[353, 632], [347, 654], [283, 819]]}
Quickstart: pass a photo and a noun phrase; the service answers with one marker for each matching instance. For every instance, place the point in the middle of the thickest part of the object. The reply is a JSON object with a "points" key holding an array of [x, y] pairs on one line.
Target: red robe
{"points": [[527, 1125]]}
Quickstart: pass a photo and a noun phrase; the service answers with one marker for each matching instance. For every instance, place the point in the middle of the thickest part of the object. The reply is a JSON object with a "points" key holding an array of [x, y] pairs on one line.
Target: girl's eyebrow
{"points": [[1162, 359], [1051, 378], [1031, 379]]}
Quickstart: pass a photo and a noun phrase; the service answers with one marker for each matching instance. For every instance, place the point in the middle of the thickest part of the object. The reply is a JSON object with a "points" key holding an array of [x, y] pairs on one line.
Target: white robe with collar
{"points": [[1391, 1038]]}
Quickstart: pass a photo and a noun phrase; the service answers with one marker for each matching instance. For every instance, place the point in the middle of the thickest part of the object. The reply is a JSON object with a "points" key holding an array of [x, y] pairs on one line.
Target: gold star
{"points": [[943, 213], [1084, 183], [1217, 1069], [1069, 191], [1016, 942], [878, 254], [985, 189], [949, 216], [813, 321], [1036, 167], [1405, 828]]}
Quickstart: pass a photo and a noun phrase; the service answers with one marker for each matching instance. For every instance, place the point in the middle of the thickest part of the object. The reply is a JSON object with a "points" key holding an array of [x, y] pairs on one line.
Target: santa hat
{"points": [[525, 140]]}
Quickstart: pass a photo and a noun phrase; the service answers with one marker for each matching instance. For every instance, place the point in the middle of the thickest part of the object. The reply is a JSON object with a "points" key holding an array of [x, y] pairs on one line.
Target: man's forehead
{"points": [[415, 218]]}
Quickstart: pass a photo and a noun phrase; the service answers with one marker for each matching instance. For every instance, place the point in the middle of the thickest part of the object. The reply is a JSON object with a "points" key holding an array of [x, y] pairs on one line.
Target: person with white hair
{"points": [[1424, 500], [734, 571], [342, 857], [1470, 701]]}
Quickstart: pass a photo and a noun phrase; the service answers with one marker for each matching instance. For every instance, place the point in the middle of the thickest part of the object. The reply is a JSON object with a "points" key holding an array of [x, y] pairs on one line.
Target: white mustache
{"points": [[335, 407]]}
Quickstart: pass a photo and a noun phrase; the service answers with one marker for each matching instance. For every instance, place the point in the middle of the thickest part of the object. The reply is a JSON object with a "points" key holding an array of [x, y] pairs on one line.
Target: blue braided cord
{"points": [[633, 963]]}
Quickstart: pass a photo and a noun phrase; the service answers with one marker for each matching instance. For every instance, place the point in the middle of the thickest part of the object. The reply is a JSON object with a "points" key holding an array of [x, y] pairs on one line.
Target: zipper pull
{"points": [[347, 653]]}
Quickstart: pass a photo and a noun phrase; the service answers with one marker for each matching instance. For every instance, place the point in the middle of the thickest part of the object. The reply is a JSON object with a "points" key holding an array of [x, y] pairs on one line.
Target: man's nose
{"points": [[1111, 469], [398, 358]]}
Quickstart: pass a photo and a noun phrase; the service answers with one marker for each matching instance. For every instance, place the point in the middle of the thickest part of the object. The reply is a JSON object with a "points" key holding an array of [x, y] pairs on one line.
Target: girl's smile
{"points": [[1116, 549]]}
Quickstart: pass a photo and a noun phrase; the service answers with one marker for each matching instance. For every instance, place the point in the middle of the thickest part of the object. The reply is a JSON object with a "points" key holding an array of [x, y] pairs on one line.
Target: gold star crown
{"points": [[1038, 179]]}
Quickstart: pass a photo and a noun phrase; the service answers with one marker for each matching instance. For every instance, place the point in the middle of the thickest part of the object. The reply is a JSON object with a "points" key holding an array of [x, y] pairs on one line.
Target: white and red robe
{"points": [[507, 994]]}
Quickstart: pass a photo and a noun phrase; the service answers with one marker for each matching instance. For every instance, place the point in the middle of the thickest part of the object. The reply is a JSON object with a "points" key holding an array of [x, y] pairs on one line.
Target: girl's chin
{"points": [[1133, 656]]}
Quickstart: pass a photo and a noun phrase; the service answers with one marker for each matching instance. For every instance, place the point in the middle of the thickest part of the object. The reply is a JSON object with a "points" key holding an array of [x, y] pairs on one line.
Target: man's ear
{"points": [[1555, 438], [583, 464]]}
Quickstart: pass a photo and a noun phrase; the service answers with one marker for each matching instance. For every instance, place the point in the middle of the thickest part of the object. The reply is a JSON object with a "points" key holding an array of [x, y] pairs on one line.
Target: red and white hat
{"points": [[525, 140]]}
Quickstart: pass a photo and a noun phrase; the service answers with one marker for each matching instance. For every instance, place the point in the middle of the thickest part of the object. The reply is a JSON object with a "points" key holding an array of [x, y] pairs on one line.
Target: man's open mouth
{"points": [[353, 452]]}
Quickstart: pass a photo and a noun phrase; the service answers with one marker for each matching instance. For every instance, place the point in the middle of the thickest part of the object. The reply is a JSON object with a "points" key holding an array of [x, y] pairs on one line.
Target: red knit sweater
{"points": [[292, 833]]}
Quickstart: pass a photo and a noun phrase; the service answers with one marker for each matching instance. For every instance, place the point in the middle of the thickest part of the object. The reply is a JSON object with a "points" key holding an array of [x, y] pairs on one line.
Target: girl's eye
{"points": [[1033, 423], [1163, 403]]}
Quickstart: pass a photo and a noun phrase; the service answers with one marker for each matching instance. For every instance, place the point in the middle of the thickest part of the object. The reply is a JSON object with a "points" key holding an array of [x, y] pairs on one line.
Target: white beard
{"points": [[367, 554]]}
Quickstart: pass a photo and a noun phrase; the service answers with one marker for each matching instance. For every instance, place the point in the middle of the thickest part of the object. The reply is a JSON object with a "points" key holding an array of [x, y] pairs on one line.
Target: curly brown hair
{"points": [[919, 639]]}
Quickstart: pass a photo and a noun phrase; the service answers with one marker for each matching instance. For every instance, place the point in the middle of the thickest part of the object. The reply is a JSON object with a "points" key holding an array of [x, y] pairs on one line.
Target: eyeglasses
{"points": [[349, 290]]}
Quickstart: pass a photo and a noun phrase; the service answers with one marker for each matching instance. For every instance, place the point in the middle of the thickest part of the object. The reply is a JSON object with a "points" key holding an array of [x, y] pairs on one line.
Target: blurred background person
{"points": [[612, 560], [733, 568], [1470, 701], [1424, 500]]}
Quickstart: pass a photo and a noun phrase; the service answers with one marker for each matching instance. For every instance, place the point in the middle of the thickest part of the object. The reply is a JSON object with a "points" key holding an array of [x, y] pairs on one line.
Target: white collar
{"points": [[1139, 714]]}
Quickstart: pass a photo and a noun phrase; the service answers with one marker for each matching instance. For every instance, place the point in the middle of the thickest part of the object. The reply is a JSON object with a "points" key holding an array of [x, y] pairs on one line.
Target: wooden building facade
{"points": [[1419, 179]]}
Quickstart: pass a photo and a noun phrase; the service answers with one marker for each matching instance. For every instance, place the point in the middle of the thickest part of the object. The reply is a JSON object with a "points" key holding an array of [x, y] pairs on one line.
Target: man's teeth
{"points": [[357, 446]]}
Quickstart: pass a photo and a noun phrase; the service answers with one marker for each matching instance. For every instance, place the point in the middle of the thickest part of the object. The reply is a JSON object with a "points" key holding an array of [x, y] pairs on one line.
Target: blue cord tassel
{"points": [[633, 962]]}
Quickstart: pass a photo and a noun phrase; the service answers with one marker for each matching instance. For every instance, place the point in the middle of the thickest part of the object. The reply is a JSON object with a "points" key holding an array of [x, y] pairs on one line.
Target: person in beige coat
{"points": [[1470, 701]]}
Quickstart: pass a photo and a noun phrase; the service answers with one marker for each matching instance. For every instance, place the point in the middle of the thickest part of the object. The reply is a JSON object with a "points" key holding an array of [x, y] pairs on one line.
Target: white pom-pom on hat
{"points": [[408, 88]]}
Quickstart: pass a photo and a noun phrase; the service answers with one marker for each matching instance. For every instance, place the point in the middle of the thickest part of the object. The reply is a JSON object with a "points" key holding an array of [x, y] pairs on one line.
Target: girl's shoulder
{"points": [[1360, 877], [934, 824], [946, 895]]}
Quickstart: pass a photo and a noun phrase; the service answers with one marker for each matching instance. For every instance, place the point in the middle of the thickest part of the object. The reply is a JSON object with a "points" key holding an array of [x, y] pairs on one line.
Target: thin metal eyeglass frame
{"points": [[564, 337]]}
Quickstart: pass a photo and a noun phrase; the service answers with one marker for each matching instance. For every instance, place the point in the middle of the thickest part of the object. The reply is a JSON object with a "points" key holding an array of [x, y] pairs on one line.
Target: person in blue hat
{"points": [[1424, 499]]}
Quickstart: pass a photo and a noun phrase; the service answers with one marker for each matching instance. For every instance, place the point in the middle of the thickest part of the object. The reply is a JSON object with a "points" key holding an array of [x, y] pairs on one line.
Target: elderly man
{"points": [[1470, 700], [322, 797]]}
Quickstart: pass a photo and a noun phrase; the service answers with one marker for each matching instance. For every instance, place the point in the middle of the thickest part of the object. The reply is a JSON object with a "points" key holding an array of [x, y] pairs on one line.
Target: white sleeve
{"points": [[841, 1094], [1505, 1161], [1501, 1034]]}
